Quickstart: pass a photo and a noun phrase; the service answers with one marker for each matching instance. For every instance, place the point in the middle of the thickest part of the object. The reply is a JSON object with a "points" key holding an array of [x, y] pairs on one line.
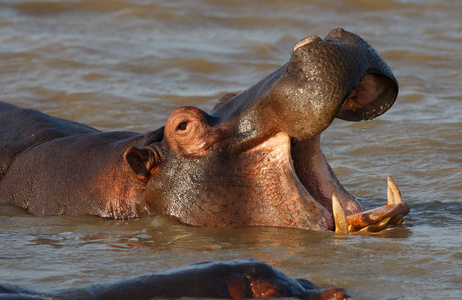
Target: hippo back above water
{"points": [[255, 160], [24, 128], [237, 279]]}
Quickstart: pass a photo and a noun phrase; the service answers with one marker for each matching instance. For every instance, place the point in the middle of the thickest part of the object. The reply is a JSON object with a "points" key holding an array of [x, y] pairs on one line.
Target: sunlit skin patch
{"points": [[191, 133]]}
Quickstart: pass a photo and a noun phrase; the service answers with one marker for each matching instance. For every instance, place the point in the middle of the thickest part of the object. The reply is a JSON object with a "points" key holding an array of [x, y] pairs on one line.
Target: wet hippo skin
{"points": [[237, 279], [255, 160]]}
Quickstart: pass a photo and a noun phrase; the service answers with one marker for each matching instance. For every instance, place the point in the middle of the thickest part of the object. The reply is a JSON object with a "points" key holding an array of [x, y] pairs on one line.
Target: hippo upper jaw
{"points": [[340, 76]]}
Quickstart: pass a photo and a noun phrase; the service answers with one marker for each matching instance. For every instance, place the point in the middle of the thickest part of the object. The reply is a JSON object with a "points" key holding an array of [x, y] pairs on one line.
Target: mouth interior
{"points": [[369, 99], [318, 178]]}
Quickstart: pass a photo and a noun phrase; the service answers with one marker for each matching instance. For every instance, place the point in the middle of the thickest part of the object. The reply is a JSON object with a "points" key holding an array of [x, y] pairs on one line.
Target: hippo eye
{"points": [[182, 126]]}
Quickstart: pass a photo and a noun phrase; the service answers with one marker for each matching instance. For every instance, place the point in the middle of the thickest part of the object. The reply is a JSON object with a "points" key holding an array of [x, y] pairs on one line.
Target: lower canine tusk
{"points": [[393, 193], [340, 219]]}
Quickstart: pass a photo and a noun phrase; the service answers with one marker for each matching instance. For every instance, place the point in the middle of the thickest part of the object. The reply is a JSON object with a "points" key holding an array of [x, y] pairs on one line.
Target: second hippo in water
{"points": [[237, 279], [255, 160]]}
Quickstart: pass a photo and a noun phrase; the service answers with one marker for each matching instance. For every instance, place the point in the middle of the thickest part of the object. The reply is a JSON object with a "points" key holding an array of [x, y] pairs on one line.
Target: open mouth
{"points": [[294, 184], [296, 180], [295, 173], [278, 124], [317, 177]]}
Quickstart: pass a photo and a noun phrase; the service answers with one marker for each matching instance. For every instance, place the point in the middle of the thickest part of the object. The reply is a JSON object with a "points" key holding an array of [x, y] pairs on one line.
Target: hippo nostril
{"points": [[182, 126]]}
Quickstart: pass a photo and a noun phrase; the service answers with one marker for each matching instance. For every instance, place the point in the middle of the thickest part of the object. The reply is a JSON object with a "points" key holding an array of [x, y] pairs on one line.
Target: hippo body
{"points": [[24, 128], [255, 160], [76, 168], [237, 279]]}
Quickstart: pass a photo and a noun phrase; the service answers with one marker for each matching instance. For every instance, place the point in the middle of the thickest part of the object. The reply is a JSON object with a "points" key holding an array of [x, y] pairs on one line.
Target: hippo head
{"points": [[256, 160]]}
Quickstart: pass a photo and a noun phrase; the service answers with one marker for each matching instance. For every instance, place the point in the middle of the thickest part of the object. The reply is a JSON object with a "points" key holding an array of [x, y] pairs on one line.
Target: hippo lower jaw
{"points": [[296, 177], [373, 220]]}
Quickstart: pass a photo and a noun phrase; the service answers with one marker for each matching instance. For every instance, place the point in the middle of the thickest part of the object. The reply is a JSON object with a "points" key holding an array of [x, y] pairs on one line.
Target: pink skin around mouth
{"points": [[297, 176]]}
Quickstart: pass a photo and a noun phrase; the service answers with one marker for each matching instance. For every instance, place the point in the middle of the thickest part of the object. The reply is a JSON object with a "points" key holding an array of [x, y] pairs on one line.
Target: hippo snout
{"points": [[339, 76]]}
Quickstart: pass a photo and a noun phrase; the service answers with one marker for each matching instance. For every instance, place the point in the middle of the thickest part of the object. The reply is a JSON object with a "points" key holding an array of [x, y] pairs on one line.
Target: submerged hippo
{"points": [[255, 160], [237, 279]]}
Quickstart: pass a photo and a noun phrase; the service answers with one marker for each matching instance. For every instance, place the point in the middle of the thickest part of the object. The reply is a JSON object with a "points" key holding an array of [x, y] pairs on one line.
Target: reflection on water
{"points": [[126, 65]]}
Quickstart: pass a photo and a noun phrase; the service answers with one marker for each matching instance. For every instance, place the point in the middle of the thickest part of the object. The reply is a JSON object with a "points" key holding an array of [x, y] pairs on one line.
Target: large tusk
{"points": [[340, 219], [393, 193]]}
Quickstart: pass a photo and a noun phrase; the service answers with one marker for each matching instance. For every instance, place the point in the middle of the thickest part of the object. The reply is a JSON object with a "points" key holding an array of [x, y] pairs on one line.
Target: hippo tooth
{"points": [[393, 193], [340, 219], [352, 103], [377, 226]]}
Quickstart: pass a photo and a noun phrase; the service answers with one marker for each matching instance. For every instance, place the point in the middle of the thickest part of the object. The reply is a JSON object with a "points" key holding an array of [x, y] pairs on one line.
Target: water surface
{"points": [[126, 65]]}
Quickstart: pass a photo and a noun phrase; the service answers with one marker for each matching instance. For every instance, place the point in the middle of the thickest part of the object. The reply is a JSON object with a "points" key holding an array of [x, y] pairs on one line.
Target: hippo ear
{"points": [[141, 161], [224, 99]]}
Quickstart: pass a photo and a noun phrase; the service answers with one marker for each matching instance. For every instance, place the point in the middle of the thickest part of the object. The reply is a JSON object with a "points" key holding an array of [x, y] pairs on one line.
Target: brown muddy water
{"points": [[127, 64]]}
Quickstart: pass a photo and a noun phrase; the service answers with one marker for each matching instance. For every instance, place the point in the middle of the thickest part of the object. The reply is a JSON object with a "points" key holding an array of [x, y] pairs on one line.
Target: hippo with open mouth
{"points": [[255, 160]]}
